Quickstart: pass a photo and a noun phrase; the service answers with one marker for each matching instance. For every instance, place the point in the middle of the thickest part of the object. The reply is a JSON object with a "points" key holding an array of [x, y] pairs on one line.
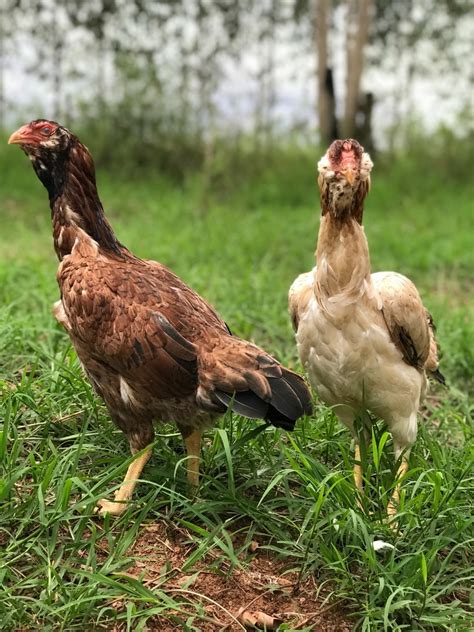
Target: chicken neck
{"points": [[76, 210], [342, 259]]}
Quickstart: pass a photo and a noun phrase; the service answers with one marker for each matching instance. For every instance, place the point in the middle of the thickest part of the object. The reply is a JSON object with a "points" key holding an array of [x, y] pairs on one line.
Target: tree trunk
{"points": [[325, 97], [358, 21], [363, 130]]}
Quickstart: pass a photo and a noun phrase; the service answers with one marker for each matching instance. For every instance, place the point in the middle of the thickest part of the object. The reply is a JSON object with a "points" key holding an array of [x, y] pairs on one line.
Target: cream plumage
{"points": [[366, 340]]}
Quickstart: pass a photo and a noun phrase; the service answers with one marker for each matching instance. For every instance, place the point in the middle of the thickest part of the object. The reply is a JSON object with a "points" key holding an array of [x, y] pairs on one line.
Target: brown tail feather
{"points": [[252, 383], [432, 363]]}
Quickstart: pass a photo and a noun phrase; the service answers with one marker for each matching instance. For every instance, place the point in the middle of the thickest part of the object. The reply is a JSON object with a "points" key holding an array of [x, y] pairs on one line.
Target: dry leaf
{"points": [[258, 619]]}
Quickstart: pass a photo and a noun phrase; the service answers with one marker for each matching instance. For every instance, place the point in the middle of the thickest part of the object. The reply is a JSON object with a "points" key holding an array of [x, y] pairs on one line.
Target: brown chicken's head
{"points": [[47, 144], [344, 178], [41, 136]]}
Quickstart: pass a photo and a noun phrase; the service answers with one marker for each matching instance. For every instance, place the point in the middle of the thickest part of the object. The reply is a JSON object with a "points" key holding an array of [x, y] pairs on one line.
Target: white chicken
{"points": [[365, 340]]}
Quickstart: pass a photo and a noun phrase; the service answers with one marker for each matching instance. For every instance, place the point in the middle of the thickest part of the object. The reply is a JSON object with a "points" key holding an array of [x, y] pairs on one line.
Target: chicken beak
{"points": [[350, 175], [20, 136]]}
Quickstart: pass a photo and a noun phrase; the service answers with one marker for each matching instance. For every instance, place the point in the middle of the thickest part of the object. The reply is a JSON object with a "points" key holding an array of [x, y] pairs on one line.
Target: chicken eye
{"points": [[46, 131]]}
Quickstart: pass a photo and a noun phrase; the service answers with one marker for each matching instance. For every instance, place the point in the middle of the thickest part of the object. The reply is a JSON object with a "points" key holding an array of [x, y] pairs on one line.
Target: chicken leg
{"points": [[125, 491], [347, 417], [358, 469], [392, 507], [193, 447]]}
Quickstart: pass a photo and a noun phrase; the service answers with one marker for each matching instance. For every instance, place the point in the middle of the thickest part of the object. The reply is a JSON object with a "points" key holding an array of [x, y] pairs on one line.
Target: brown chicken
{"points": [[152, 348], [365, 339]]}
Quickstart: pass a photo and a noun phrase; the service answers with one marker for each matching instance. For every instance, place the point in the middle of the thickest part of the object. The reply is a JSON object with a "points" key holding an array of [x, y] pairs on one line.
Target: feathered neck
{"points": [[342, 259], [76, 210]]}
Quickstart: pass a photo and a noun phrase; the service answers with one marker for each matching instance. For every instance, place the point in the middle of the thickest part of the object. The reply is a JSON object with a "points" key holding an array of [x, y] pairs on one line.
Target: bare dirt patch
{"points": [[261, 585]]}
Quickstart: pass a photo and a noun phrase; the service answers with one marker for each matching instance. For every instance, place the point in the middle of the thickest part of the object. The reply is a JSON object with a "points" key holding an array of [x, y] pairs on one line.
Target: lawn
{"points": [[275, 526]]}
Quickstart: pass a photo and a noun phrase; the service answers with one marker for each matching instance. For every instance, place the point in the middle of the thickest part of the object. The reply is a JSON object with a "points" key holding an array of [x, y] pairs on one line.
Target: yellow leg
{"points": [[395, 499], [125, 491], [193, 447], [358, 469]]}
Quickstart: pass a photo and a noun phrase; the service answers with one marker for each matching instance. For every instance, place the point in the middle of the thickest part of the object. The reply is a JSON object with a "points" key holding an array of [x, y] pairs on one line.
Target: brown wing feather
{"points": [[140, 320], [405, 317], [143, 322]]}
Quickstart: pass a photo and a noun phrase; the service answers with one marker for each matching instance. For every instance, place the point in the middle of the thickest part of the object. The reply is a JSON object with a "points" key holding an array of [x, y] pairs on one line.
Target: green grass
{"points": [[240, 247]]}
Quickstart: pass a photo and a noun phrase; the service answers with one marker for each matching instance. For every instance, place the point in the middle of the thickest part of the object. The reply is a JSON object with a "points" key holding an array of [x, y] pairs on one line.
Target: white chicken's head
{"points": [[344, 178]]}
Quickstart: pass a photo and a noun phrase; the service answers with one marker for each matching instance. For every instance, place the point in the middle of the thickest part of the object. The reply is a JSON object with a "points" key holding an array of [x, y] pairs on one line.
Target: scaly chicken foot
{"points": [[392, 508], [193, 447], [125, 491], [358, 474], [358, 469]]}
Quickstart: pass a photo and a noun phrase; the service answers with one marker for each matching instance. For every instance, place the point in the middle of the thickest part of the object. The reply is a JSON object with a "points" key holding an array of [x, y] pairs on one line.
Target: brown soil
{"points": [[262, 584]]}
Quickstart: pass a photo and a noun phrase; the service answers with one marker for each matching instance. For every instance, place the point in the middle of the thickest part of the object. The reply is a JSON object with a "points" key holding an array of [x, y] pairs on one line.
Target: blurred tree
{"points": [[326, 100], [358, 22], [376, 33], [419, 38], [152, 70], [355, 16], [94, 17]]}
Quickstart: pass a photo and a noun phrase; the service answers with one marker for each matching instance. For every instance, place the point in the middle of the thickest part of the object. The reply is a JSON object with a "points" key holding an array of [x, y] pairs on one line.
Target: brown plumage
{"points": [[152, 348], [365, 339]]}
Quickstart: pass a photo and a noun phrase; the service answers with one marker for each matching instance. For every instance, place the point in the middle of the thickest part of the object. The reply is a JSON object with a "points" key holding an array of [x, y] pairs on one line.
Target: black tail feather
{"points": [[245, 403], [303, 393], [284, 399], [278, 420], [438, 376], [290, 399]]}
